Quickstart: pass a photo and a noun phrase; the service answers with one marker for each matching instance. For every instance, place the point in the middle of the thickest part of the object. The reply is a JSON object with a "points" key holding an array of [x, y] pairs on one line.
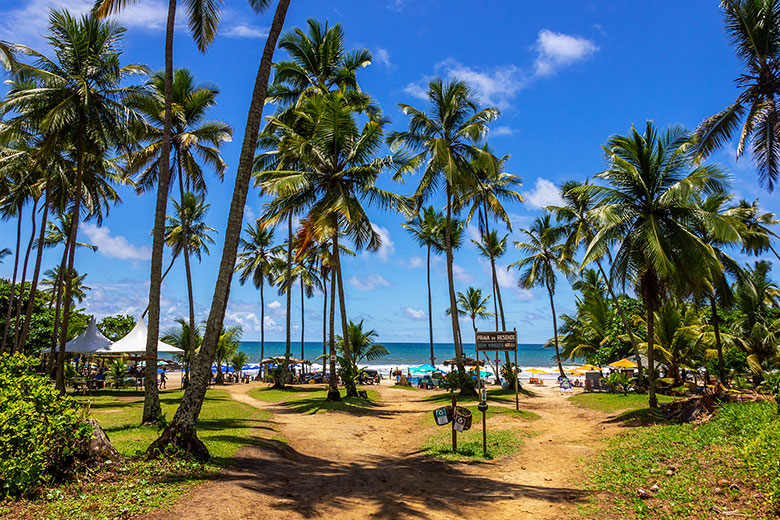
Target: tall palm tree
{"points": [[339, 174], [754, 29], [757, 233], [574, 216], [181, 337], [203, 21], [3, 253], [77, 96], [473, 305], [187, 234], [444, 143], [647, 208], [255, 262], [545, 256], [363, 346], [228, 344], [53, 281], [492, 247], [426, 229], [181, 430]]}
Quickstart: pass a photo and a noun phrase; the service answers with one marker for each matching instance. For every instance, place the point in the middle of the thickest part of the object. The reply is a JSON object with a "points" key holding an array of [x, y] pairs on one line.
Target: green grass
{"points": [[504, 395], [312, 400], [741, 444], [492, 411], [500, 443], [135, 486], [606, 402]]}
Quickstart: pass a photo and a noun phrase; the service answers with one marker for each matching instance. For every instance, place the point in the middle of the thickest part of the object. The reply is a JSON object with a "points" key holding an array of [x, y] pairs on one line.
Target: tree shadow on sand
{"points": [[409, 486]]}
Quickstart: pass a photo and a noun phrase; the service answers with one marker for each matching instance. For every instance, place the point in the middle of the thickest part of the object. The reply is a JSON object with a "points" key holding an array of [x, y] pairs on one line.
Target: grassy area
{"points": [[606, 402], [136, 486], [500, 443], [726, 464], [504, 395], [312, 400], [493, 411]]}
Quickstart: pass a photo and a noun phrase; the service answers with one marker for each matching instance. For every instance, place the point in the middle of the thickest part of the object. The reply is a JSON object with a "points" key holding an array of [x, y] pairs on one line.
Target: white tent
{"points": [[89, 341], [135, 343]]}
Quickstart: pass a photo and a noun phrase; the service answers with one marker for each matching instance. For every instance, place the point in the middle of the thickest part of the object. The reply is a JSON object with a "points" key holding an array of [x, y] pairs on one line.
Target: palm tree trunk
{"points": [[152, 410], [19, 301], [430, 307], [74, 231], [333, 380], [324, 319], [497, 298], [649, 294], [181, 430], [555, 330], [623, 319], [718, 344], [37, 269], [349, 382], [303, 319], [10, 307], [451, 284], [57, 290], [168, 270], [262, 326], [288, 289], [187, 268]]}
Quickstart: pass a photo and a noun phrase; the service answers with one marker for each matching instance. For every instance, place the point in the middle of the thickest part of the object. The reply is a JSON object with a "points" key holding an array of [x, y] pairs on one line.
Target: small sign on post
{"points": [[500, 341], [442, 416], [460, 423]]}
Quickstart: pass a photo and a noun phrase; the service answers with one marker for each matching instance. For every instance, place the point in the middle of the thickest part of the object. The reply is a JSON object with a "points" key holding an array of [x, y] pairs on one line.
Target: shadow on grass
{"points": [[503, 395], [351, 405], [639, 417]]}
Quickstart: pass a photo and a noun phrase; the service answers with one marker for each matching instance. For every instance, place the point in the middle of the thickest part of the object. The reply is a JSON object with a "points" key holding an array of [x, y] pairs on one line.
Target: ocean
{"points": [[407, 355]]}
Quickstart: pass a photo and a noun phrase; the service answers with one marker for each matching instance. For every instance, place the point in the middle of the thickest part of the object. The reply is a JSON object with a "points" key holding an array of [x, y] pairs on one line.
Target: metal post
{"points": [[484, 432], [454, 432], [517, 392]]}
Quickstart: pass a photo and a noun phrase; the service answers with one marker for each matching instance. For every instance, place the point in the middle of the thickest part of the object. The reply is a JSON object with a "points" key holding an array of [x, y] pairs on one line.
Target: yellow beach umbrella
{"points": [[536, 371], [623, 363], [577, 374], [586, 366]]}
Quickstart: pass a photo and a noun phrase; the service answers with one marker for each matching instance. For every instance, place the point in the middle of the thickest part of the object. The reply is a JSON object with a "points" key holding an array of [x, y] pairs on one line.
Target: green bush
{"points": [[455, 380], [39, 428], [508, 373]]}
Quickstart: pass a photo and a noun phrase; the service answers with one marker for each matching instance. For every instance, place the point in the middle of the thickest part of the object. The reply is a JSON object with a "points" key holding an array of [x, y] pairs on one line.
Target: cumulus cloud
{"points": [[557, 50], [274, 305], [473, 233], [388, 246], [461, 274], [414, 314], [382, 57], [500, 131], [418, 89], [115, 246], [414, 262], [242, 30], [369, 282], [543, 194]]}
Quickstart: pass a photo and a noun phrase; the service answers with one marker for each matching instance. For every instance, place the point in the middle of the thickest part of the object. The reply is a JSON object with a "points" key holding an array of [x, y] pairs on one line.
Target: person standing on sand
{"points": [[163, 379]]}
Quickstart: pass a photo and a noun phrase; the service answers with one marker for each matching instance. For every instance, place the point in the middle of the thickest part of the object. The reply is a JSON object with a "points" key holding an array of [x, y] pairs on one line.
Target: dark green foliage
{"points": [[39, 428], [508, 373], [460, 381], [116, 327]]}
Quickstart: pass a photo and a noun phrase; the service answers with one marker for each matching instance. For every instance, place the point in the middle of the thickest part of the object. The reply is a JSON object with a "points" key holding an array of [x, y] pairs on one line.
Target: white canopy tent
{"points": [[89, 341], [135, 343]]}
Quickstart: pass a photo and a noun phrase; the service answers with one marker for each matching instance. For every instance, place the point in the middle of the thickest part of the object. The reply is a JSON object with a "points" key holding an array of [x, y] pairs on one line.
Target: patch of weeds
{"points": [[500, 443]]}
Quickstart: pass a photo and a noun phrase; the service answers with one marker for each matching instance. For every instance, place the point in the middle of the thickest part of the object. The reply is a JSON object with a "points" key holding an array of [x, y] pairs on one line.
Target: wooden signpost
{"points": [[494, 341]]}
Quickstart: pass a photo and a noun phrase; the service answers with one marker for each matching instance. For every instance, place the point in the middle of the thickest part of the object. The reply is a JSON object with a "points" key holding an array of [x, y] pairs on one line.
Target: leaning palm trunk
{"points": [[349, 381], [430, 307], [718, 344], [181, 430], [262, 327], [188, 271], [288, 289], [57, 295], [496, 295], [324, 319], [333, 380], [17, 325], [555, 331], [10, 307], [74, 230], [303, 321], [152, 410], [451, 284], [36, 270]]}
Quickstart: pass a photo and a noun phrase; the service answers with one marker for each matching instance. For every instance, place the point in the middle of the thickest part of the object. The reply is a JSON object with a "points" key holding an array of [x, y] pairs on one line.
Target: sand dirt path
{"points": [[340, 465]]}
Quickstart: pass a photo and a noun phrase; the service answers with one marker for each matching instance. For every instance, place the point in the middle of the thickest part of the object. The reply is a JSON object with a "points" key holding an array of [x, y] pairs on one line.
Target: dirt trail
{"points": [[368, 465]]}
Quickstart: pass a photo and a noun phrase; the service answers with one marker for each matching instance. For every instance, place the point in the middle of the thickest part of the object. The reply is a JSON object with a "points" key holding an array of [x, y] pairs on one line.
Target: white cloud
{"points": [[418, 90], [242, 30], [369, 282], [461, 274], [382, 57], [495, 86], [414, 314], [388, 246], [500, 131], [114, 246], [274, 305], [506, 279], [544, 193], [473, 233], [414, 262], [556, 50]]}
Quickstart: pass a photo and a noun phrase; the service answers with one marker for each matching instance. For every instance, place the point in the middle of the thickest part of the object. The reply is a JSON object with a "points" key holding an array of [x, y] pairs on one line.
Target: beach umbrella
{"points": [[624, 363], [536, 371], [577, 374], [586, 367]]}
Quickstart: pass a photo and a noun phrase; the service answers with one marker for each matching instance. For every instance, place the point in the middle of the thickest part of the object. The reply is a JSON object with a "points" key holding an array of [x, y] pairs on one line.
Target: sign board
{"points": [[501, 341], [460, 423], [441, 416]]}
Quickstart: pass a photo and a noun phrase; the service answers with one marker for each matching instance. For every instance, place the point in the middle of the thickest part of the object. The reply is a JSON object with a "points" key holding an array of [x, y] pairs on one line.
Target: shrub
{"points": [[508, 373], [464, 382], [39, 429]]}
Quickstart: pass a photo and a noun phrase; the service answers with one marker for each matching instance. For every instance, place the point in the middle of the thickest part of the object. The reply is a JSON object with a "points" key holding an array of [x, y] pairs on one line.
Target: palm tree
{"points": [[181, 337], [238, 360], [492, 247], [584, 334], [228, 344], [754, 29], [426, 229], [78, 97], [3, 253], [574, 216], [53, 280], [473, 305], [546, 256], [186, 233], [339, 171], [181, 430], [255, 262], [444, 142], [757, 234], [647, 208], [362, 344]]}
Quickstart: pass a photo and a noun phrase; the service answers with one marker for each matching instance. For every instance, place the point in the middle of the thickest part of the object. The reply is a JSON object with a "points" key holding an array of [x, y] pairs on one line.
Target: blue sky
{"points": [[566, 75]]}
